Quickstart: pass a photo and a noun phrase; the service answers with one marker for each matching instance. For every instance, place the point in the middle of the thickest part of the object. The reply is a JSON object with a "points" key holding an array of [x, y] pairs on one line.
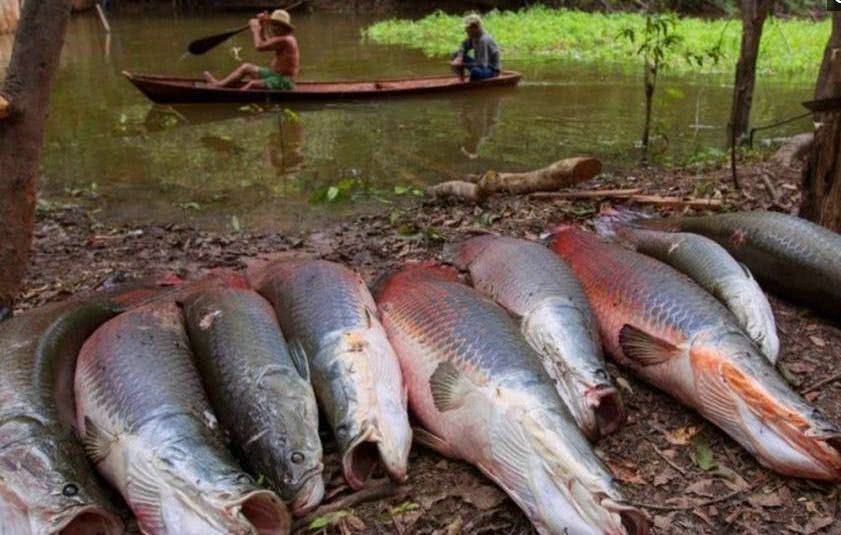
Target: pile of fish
{"points": [[194, 406]]}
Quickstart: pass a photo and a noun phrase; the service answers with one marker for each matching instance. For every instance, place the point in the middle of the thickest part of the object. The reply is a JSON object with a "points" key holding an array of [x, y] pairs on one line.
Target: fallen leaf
{"points": [[664, 522], [760, 499], [817, 340], [664, 477], [483, 497], [703, 487], [682, 435], [626, 474], [701, 453]]}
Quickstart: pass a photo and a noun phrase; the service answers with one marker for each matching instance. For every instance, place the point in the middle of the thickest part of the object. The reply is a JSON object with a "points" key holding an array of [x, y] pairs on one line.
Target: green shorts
{"points": [[274, 80]]}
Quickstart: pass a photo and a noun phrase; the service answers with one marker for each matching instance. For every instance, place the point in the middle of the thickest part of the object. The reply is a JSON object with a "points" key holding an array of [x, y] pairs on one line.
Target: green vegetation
{"points": [[790, 48]]}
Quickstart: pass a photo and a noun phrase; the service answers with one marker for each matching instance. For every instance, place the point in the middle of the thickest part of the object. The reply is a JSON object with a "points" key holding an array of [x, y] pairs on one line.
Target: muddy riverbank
{"points": [[690, 477]]}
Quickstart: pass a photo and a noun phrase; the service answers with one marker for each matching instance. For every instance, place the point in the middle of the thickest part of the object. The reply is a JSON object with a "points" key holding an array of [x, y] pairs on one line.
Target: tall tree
{"points": [[754, 13], [24, 97], [822, 173]]}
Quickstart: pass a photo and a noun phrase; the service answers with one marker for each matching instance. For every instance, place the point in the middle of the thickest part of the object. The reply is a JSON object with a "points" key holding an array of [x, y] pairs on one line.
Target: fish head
{"points": [[760, 325], [199, 491], [40, 495], [298, 450], [744, 395], [569, 490], [575, 364]]}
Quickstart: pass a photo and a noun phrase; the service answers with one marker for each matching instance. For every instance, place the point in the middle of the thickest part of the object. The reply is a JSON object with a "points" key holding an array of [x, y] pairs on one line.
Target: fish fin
{"points": [[512, 456], [144, 497], [97, 441], [299, 358], [644, 349], [449, 387], [433, 442], [716, 395]]}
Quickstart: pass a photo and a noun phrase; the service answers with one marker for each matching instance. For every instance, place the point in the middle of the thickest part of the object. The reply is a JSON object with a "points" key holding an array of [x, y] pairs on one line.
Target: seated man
{"points": [[271, 33], [485, 61]]}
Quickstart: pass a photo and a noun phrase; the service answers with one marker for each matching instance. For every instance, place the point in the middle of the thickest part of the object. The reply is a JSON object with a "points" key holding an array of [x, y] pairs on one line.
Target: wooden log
{"points": [[457, 189], [561, 174], [5, 107], [589, 194]]}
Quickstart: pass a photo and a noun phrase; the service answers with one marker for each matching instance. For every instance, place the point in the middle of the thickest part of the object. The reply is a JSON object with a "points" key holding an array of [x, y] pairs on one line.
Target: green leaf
{"points": [[401, 190], [327, 520], [346, 184], [332, 193], [404, 507], [701, 453]]}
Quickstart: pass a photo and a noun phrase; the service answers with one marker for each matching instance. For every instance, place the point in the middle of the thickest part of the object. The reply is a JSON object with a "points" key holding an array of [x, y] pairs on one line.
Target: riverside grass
{"points": [[791, 49]]}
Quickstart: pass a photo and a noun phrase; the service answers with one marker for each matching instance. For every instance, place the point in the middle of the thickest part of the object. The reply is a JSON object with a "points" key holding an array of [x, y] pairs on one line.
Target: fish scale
{"points": [[149, 428], [482, 395], [678, 337], [261, 397]]}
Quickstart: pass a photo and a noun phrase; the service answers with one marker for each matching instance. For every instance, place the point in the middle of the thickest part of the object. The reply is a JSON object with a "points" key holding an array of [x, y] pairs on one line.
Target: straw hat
{"points": [[472, 20], [281, 16]]}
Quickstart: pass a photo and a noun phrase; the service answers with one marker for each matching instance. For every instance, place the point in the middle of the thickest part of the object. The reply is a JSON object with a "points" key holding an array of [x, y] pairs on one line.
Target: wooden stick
{"points": [[675, 201], [103, 18], [772, 191], [822, 382], [670, 462], [376, 491], [588, 194]]}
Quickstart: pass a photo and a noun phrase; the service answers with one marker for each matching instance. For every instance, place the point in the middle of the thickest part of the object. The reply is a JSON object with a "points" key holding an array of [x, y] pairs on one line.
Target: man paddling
{"points": [[272, 33], [484, 63]]}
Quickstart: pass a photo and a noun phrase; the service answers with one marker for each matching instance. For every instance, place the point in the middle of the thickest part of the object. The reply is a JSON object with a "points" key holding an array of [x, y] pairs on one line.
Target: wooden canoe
{"points": [[171, 90]]}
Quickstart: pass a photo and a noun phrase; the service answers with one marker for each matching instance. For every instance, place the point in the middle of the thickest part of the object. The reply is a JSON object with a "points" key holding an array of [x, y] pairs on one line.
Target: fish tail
{"points": [[411, 273], [610, 221], [463, 253]]}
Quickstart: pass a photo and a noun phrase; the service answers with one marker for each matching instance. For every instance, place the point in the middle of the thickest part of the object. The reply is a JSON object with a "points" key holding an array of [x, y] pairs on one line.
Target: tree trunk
{"points": [[822, 172], [26, 90], [754, 13], [649, 82], [9, 13]]}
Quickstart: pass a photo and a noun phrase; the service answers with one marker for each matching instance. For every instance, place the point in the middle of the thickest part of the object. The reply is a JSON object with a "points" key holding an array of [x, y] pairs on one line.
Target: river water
{"points": [[267, 167]]}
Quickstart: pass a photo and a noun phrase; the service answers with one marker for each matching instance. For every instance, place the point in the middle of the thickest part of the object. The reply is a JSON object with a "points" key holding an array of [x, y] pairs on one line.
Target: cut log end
{"points": [[5, 107], [585, 168], [457, 189]]}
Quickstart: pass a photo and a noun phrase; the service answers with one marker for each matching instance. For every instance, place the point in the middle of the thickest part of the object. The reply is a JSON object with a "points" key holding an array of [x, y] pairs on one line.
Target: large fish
{"points": [[46, 483], [708, 264], [793, 257], [679, 338], [536, 287], [263, 399], [482, 394], [149, 428], [330, 320]]}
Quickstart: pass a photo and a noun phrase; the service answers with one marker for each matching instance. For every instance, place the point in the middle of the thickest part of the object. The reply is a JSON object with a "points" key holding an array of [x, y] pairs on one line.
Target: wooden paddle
{"points": [[200, 46]]}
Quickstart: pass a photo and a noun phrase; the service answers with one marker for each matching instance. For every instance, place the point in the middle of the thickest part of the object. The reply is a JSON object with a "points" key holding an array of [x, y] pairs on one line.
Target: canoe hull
{"points": [[170, 90]]}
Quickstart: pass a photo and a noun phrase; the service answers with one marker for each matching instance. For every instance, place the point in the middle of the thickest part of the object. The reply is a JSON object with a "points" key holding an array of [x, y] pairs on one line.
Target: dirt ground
{"points": [[687, 475]]}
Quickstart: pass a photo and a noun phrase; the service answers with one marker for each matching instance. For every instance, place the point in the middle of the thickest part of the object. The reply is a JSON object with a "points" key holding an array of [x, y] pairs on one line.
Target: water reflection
{"points": [[479, 118], [284, 149]]}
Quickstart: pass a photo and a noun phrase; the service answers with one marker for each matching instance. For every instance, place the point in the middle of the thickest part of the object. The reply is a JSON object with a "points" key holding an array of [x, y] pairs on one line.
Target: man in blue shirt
{"points": [[485, 60]]}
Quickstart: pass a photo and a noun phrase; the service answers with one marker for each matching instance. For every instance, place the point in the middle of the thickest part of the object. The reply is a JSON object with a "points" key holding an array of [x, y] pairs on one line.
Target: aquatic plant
{"points": [[790, 48]]}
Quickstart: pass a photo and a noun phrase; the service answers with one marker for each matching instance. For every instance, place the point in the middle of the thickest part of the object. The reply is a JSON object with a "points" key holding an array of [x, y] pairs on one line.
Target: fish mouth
{"points": [[310, 493], [634, 520], [264, 511], [608, 408], [360, 460], [86, 520]]}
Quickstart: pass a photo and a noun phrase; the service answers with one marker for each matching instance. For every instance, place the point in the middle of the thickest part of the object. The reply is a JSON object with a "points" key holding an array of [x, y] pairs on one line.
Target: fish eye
{"points": [[70, 490], [297, 457]]}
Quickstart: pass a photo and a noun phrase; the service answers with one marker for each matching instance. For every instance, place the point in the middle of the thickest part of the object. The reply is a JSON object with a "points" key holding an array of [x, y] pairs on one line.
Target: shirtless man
{"points": [[271, 33]]}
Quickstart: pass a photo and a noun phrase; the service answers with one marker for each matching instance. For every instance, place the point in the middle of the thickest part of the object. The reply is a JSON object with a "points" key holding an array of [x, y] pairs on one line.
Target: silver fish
{"points": [[149, 429], [536, 287], [330, 320], [482, 395]]}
